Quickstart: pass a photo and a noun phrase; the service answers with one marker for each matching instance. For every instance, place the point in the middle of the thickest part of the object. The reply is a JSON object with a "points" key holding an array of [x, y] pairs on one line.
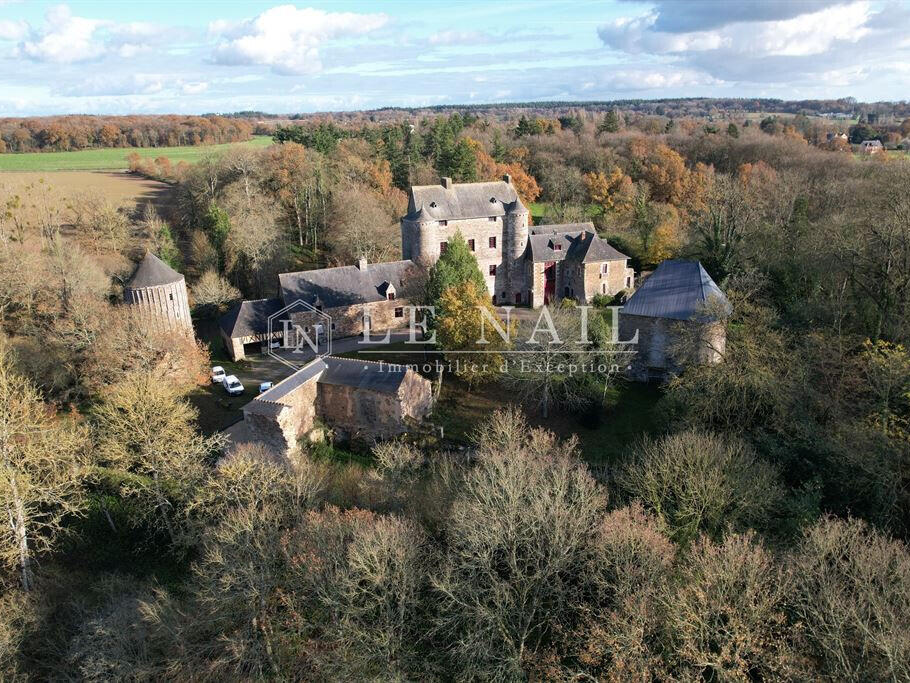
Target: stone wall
{"points": [[281, 423], [612, 282], [348, 320], [667, 346], [421, 243]]}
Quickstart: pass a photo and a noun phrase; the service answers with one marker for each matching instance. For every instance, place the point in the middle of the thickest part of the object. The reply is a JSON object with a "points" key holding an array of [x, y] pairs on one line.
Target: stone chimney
{"points": [[362, 263], [446, 183], [507, 178]]}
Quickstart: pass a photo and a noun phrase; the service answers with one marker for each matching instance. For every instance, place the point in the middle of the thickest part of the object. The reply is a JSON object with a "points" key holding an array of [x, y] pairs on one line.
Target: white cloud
{"points": [[810, 41], [66, 39], [459, 38], [12, 30], [287, 38]]}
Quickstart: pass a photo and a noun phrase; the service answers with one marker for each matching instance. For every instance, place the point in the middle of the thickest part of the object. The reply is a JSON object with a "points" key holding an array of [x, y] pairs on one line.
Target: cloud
{"points": [[194, 88], [699, 15], [800, 42], [67, 39], [287, 38], [12, 30], [459, 38]]}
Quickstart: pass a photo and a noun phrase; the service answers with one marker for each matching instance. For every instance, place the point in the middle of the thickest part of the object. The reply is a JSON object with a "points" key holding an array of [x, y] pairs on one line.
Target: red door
{"points": [[549, 282]]}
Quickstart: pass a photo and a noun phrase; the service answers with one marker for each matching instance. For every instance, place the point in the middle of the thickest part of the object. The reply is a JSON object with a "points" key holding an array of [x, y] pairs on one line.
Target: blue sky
{"points": [[203, 56]]}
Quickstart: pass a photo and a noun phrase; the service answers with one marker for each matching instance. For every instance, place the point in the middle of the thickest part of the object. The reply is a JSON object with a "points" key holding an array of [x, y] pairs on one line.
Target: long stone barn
{"points": [[356, 399]]}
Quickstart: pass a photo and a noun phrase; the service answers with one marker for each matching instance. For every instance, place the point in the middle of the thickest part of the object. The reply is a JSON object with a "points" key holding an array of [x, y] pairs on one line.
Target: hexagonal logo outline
{"points": [[299, 303]]}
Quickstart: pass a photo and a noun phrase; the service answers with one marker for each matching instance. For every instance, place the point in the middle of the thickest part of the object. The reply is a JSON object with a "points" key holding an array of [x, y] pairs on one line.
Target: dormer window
{"points": [[492, 200], [557, 247]]}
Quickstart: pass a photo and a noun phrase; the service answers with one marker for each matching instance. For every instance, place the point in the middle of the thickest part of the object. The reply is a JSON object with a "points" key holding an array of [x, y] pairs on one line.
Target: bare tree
{"points": [[41, 469]]}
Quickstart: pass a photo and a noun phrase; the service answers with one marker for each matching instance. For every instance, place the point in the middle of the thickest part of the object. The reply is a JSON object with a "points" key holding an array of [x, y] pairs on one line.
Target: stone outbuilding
{"points": [[354, 398], [679, 314], [158, 293], [345, 299]]}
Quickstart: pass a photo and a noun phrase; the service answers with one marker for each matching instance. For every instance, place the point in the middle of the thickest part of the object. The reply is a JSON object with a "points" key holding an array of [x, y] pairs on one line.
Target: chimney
{"points": [[362, 263], [446, 183], [507, 178]]}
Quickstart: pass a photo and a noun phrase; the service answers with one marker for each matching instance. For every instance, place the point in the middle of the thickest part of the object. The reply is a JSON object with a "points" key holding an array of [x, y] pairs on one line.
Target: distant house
{"points": [[871, 146], [837, 136], [678, 314]]}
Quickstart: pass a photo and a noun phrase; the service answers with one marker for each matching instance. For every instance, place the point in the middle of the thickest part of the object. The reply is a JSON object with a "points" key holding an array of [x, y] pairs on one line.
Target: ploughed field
{"points": [[113, 158]]}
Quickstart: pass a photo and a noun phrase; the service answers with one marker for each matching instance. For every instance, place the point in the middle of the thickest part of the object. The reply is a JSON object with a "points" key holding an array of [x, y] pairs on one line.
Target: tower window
{"points": [[443, 246], [493, 269], [443, 223], [605, 268], [399, 312], [493, 242], [492, 219], [471, 245], [171, 296]]}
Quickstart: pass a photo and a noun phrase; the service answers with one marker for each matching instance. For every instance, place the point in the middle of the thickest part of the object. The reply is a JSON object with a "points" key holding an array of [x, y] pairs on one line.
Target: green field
{"points": [[113, 159]]}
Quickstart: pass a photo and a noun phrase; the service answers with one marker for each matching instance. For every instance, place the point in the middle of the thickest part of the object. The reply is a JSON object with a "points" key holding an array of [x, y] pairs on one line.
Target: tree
{"points": [[727, 615], [454, 267], [41, 469], [467, 338], [212, 293], [613, 191], [611, 123], [852, 596], [519, 533], [700, 483], [147, 431], [733, 130]]}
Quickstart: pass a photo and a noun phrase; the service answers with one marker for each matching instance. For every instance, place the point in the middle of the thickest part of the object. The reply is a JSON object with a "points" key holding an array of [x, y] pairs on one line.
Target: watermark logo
{"points": [[298, 333]]}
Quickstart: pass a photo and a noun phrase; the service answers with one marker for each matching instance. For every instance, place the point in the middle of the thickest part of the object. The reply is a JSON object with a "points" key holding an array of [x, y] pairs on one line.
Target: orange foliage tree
{"points": [[489, 169]]}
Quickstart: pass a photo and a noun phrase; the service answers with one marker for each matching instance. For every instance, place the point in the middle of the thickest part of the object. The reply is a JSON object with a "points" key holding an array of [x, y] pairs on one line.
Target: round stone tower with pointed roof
{"points": [[158, 292]]}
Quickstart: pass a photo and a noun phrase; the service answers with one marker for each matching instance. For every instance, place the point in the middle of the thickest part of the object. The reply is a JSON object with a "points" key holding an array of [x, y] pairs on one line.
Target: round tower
{"points": [[158, 292], [515, 241], [418, 238]]}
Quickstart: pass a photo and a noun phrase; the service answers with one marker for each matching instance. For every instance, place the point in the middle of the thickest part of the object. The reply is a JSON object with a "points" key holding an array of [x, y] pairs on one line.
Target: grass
{"points": [[541, 210], [113, 158]]}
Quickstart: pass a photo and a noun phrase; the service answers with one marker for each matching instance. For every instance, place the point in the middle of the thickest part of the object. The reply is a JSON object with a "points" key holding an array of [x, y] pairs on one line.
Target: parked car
{"points": [[218, 374], [232, 385], [264, 387]]}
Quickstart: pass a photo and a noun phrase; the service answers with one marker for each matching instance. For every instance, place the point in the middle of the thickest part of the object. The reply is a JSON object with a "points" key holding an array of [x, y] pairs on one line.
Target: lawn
{"points": [[113, 159], [540, 211]]}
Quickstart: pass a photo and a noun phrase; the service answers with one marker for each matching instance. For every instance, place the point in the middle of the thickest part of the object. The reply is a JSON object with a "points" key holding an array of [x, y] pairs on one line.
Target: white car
{"points": [[264, 387], [218, 374], [232, 385]]}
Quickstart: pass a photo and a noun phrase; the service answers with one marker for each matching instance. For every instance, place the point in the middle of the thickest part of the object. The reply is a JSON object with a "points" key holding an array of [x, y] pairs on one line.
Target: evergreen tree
{"points": [[610, 123], [732, 130], [455, 266]]}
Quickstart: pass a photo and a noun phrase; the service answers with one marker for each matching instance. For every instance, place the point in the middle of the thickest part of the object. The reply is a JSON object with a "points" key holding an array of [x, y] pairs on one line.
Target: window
{"points": [[493, 242], [390, 296], [333, 327], [492, 219], [603, 288], [319, 307], [471, 245], [517, 297], [443, 223], [399, 312], [493, 269], [628, 283], [567, 291], [442, 247], [557, 247], [494, 299], [604, 268], [171, 296]]}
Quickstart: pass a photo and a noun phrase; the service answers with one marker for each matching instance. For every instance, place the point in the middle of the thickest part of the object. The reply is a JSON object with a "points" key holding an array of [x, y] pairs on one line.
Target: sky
{"points": [[193, 57]]}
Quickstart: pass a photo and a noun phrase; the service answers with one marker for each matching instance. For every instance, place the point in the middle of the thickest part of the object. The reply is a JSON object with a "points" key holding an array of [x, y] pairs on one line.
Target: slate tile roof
{"points": [[249, 318], [677, 289], [153, 272], [349, 285], [462, 200], [550, 243]]}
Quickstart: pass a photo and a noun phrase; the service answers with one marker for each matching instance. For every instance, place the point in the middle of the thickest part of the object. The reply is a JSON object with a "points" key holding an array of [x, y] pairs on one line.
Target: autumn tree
{"points": [[455, 266], [212, 293], [699, 483], [43, 462], [609, 191], [144, 429]]}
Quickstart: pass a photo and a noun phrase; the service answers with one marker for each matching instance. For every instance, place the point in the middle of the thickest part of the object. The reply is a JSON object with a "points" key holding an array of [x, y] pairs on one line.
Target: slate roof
{"points": [[350, 372], [153, 272], [349, 285], [583, 246], [249, 318], [363, 374], [678, 290], [462, 200]]}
